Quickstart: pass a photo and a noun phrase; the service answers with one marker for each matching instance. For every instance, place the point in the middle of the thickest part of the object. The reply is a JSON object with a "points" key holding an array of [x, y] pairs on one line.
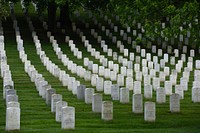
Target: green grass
{"points": [[36, 115]]}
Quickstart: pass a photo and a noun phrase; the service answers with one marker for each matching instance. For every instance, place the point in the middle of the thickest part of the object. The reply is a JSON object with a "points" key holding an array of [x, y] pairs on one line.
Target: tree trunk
{"points": [[52, 16], [65, 16]]}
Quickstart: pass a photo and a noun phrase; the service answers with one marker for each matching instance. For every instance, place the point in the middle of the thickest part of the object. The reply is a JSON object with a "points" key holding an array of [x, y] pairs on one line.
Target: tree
{"points": [[3, 10], [65, 15], [66, 9], [179, 17]]}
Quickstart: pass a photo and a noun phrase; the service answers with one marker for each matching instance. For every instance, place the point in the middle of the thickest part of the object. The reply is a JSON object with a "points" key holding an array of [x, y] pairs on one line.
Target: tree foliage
{"points": [[3, 10], [163, 19], [178, 16]]}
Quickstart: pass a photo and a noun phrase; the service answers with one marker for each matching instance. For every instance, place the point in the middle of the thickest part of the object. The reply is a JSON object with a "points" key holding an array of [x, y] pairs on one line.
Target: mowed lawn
{"points": [[36, 116]]}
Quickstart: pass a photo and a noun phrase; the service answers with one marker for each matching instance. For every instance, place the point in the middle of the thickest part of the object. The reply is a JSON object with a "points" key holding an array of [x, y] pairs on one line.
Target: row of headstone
{"points": [[127, 72], [107, 91], [165, 58], [88, 95], [167, 69], [172, 78], [167, 73], [9, 93], [97, 55], [195, 86], [63, 113], [136, 76], [170, 106]]}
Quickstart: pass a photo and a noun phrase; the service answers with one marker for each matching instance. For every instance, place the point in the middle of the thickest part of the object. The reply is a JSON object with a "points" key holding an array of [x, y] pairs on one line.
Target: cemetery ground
{"points": [[36, 116]]}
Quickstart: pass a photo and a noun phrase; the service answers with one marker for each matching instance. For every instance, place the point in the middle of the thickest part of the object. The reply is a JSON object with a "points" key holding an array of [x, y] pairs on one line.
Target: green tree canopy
{"points": [[3, 10], [178, 16]]}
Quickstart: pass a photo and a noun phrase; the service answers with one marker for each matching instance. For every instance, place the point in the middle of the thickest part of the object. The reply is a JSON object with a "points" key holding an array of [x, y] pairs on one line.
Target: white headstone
{"points": [[55, 98], [132, 56], [86, 60], [149, 111], [147, 80], [120, 79], [144, 62], [138, 76], [129, 83], [137, 103], [172, 60], [148, 91], [197, 64], [192, 53], [59, 106], [115, 56], [110, 65], [110, 52], [160, 95], [137, 59], [124, 62], [101, 70], [168, 87], [152, 73], [173, 79], [157, 67], [87, 76], [155, 59], [107, 87], [88, 95], [184, 83], [176, 52], [100, 84], [94, 79], [81, 92], [154, 50], [95, 68], [49, 93], [113, 76], [148, 57], [136, 67], [97, 103], [75, 84], [138, 49], [115, 92], [196, 94], [143, 53], [123, 71], [129, 73], [107, 73], [116, 68], [124, 95], [156, 83], [129, 64], [68, 118], [179, 90], [160, 52], [174, 103], [166, 71], [107, 111], [162, 63], [162, 76], [126, 52], [12, 118], [137, 87]]}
